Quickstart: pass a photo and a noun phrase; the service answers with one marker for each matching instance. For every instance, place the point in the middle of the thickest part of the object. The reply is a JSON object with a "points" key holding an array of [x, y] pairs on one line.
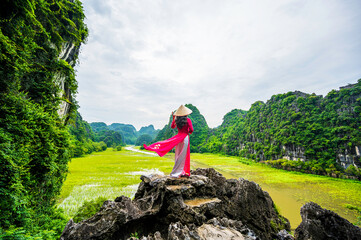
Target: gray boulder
{"points": [[321, 224]]}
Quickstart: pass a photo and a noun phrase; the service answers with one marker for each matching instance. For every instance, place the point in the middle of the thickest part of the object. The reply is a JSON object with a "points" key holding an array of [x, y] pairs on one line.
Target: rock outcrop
{"points": [[203, 206], [68, 53], [318, 223]]}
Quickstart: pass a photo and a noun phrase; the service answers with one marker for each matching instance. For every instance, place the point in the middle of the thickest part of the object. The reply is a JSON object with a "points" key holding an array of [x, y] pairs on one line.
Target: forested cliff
{"points": [[39, 45], [321, 134], [306, 127]]}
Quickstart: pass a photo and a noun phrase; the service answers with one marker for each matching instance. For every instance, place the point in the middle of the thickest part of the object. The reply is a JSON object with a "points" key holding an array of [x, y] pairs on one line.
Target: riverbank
{"points": [[289, 190]]}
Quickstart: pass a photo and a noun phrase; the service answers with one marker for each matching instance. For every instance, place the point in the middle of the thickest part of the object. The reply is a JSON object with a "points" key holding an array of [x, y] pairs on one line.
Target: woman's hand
{"points": [[173, 115]]}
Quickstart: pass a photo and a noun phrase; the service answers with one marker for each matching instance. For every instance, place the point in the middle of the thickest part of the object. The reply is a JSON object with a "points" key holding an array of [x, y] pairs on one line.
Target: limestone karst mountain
{"points": [[128, 132], [308, 132]]}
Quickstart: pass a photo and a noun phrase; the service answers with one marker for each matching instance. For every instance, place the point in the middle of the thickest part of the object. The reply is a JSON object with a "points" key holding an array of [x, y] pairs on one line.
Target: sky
{"points": [[144, 58]]}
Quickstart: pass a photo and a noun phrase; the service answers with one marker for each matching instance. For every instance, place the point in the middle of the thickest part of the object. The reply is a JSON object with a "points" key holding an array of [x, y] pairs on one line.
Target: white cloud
{"points": [[145, 58]]}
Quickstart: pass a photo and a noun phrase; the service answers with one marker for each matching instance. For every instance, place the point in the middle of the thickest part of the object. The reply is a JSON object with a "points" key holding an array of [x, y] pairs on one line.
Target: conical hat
{"points": [[182, 111]]}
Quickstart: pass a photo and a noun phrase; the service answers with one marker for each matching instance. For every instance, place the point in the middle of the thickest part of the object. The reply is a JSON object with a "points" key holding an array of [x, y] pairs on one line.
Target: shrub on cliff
{"points": [[33, 161], [88, 209]]}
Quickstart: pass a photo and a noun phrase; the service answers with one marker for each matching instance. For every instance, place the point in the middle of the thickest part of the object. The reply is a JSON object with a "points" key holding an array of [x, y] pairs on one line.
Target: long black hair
{"points": [[181, 121]]}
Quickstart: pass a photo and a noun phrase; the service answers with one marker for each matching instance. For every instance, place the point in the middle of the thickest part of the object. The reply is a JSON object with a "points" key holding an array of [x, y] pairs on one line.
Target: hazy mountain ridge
{"points": [[128, 132]]}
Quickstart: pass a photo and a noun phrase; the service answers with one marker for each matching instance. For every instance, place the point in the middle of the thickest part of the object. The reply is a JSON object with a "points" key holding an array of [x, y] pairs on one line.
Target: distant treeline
{"points": [[98, 136], [310, 133], [128, 133], [84, 140]]}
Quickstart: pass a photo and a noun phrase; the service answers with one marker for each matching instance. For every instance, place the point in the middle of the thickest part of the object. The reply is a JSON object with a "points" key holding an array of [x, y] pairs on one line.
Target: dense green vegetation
{"points": [[148, 130], [98, 126], [225, 138], [315, 167], [111, 138], [144, 139], [83, 138], [88, 209], [306, 127], [119, 133], [128, 131], [102, 133], [34, 157], [34, 142]]}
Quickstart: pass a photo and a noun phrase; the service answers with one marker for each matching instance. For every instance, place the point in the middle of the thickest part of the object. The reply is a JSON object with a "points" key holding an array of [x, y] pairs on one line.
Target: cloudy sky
{"points": [[144, 58]]}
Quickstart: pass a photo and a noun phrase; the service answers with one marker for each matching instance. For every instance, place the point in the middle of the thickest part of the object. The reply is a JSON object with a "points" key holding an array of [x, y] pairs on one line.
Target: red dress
{"points": [[163, 147]]}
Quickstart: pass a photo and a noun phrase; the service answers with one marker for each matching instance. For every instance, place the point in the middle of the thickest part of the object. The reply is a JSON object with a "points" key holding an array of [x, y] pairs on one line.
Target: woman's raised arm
{"points": [[173, 125], [190, 126]]}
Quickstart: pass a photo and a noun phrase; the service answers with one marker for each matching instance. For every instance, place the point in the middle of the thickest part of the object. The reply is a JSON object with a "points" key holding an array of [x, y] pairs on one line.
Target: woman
{"points": [[180, 142]]}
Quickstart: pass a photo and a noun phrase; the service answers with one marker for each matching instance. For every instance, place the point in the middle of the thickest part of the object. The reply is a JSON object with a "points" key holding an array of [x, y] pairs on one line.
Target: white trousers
{"points": [[180, 158]]}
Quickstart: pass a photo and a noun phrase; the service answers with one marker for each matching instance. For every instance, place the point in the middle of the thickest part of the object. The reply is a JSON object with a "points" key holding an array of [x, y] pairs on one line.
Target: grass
{"points": [[111, 174], [266, 175], [107, 174]]}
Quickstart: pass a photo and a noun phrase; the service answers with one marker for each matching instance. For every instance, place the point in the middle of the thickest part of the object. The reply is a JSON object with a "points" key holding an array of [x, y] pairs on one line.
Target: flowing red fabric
{"points": [[163, 147]]}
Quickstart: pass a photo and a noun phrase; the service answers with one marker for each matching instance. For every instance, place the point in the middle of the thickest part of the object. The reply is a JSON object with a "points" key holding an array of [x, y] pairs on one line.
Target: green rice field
{"points": [[107, 174], [114, 173]]}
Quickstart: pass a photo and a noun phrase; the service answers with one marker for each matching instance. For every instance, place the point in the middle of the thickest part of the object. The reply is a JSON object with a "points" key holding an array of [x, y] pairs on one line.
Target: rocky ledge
{"points": [[203, 206], [320, 223]]}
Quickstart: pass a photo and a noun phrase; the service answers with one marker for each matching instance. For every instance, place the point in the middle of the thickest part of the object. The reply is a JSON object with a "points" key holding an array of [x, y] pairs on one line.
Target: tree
{"points": [[143, 139]]}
